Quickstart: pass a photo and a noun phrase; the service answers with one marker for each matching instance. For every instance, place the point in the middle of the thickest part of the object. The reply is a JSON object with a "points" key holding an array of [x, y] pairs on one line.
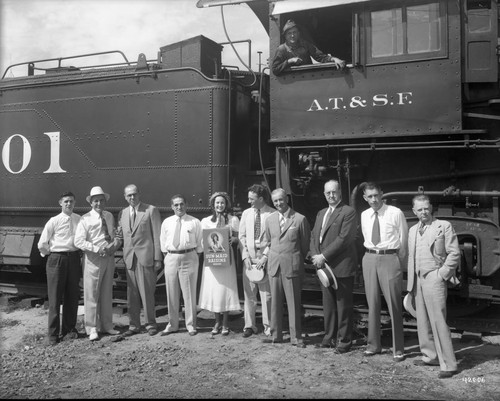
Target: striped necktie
{"points": [[282, 222], [325, 223]]}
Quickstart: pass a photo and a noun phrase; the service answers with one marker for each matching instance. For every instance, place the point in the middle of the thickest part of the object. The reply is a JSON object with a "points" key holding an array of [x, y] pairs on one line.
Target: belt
{"points": [[382, 251], [183, 251], [67, 253]]}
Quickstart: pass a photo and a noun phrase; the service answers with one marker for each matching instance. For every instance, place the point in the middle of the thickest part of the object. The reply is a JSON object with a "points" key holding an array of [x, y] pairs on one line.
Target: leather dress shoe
{"points": [[193, 333], [420, 362], [247, 332], [399, 358], [299, 344], [72, 335], [371, 353], [167, 333], [51, 341], [93, 335], [446, 374], [112, 332], [130, 333], [342, 350], [152, 331]]}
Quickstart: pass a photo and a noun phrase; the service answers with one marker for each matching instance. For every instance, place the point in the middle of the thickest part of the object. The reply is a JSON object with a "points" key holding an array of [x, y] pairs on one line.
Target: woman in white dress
{"points": [[219, 290]]}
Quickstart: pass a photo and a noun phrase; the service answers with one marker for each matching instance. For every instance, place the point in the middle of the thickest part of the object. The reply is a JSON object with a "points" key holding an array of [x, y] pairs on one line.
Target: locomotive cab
{"points": [[415, 109]]}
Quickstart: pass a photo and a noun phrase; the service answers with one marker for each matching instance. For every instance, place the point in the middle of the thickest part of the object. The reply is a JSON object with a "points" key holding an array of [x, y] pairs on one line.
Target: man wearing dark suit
{"points": [[333, 242], [139, 226], [285, 244]]}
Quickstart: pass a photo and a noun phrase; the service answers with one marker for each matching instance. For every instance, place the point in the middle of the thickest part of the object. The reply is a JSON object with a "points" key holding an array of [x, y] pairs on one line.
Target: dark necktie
{"points": [[422, 228], [325, 223], [376, 230], [257, 224], [107, 237], [132, 219], [177, 234]]}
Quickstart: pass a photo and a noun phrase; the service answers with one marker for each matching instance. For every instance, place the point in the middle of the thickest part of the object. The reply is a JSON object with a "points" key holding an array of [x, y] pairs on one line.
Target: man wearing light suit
{"points": [[250, 236], [139, 226], [433, 257], [285, 244], [333, 242]]}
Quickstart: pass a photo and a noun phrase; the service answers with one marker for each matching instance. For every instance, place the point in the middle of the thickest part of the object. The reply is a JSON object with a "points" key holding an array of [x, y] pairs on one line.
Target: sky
{"points": [[40, 29]]}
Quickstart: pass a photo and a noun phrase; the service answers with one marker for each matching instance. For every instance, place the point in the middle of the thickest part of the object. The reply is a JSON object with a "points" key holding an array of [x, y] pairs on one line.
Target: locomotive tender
{"points": [[417, 109]]}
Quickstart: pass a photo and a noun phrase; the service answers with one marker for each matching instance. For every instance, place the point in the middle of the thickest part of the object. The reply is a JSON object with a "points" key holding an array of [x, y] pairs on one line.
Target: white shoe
{"points": [[93, 335], [113, 332]]}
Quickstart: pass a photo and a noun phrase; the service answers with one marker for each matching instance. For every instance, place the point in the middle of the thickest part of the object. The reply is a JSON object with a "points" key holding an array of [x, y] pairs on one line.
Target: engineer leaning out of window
{"points": [[296, 51]]}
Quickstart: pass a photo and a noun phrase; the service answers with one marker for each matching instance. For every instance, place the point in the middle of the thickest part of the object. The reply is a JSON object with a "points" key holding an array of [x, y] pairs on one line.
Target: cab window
{"points": [[409, 32]]}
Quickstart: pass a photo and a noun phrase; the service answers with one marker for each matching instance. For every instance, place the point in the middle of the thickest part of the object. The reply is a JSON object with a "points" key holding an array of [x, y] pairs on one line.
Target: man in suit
{"points": [[333, 242], [139, 227], [285, 244], [433, 257], [250, 236]]}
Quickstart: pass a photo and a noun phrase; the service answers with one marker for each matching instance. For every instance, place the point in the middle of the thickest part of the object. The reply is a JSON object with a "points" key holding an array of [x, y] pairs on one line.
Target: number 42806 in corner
{"points": [[473, 379]]}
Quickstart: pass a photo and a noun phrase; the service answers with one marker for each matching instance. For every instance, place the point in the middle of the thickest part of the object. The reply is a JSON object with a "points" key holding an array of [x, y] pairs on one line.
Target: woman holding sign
{"points": [[219, 291]]}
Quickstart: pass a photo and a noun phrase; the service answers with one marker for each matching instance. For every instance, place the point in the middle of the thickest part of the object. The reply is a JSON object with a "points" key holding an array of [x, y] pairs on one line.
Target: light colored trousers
{"points": [[98, 291], [434, 335], [181, 274], [250, 289], [141, 287], [382, 273]]}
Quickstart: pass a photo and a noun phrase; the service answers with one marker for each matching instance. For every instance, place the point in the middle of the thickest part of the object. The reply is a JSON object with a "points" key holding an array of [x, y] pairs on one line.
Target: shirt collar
{"points": [[286, 214]]}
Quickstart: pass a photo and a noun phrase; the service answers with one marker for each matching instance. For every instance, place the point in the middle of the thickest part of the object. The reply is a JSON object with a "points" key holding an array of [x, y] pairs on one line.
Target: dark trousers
{"points": [[63, 275], [338, 312]]}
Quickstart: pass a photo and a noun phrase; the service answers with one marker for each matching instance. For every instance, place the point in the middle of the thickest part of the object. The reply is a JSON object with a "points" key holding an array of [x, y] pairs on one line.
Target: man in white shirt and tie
{"points": [[385, 235], [64, 270], [180, 241], [139, 228]]}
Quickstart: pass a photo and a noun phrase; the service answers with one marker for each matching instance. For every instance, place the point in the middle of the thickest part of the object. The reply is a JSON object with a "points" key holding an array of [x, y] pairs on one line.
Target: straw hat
{"points": [[326, 276], [97, 191], [409, 304], [257, 276]]}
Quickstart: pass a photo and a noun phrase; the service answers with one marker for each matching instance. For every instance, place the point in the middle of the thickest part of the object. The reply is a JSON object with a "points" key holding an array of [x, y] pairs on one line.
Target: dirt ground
{"points": [[206, 366]]}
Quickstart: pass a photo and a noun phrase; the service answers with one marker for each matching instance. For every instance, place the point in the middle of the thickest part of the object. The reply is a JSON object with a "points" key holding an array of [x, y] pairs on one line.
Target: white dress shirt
{"points": [[90, 235], [190, 238], [58, 234]]}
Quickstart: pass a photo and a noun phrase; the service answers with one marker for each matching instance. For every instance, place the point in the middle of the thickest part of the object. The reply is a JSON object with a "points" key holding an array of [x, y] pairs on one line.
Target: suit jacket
{"points": [[443, 244], [246, 233], [143, 239], [286, 249], [338, 245]]}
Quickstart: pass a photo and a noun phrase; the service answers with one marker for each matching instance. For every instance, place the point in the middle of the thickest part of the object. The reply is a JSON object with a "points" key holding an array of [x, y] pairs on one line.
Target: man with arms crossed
{"points": [[250, 236], [385, 233], [433, 258], [333, 242], [285, 243], [139, 227], [63, 269]]}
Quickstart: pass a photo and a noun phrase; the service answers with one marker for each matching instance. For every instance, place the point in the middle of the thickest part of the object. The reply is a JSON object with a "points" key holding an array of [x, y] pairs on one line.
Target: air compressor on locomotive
{"points": [[416, 109]]}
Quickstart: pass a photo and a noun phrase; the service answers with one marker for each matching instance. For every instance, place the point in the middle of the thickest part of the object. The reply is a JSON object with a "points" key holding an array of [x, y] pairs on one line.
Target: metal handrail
{"points": [[31, 64]]}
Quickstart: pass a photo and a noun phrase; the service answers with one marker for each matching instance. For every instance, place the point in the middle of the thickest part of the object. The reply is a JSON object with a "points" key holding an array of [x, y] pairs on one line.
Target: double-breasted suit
{"points": [[141, 248], [248, 250], [433, 257], [338, 247], [286, 249]]}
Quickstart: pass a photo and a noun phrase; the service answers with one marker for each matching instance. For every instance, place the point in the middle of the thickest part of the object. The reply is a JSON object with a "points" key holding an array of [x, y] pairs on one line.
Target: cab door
{"points": [[480, 40]]}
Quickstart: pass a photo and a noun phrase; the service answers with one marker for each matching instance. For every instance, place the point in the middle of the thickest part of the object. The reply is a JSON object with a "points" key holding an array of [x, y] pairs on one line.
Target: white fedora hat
{"points": [[409, 304], [326, 276], [97, 191]]}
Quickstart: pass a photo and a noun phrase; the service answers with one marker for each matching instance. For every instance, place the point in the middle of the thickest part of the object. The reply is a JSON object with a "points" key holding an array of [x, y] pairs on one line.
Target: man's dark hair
{"points": [[67, 193], [177, 196], [370, 185], [260, 190]]}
